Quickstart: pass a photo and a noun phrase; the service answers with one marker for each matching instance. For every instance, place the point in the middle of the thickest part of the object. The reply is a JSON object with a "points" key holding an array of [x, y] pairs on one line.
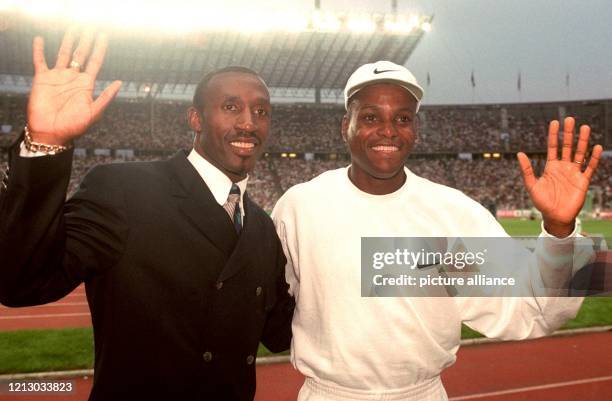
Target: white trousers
{"points": [[431, 390]]}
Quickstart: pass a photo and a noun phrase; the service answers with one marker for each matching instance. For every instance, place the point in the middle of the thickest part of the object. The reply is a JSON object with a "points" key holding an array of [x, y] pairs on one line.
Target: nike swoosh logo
{"points": [[377, 71]]}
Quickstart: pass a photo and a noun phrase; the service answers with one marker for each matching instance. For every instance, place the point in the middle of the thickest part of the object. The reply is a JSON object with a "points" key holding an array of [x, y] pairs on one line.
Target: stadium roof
{"points": [[171, 63]]}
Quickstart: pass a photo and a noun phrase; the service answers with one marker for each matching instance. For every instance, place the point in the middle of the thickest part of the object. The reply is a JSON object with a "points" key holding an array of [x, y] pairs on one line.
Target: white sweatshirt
{"points": [[381, 344]]}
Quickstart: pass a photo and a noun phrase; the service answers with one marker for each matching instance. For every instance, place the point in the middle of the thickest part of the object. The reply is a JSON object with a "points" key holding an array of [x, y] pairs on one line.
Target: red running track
{"points": [[70, 311], [572, 368]]}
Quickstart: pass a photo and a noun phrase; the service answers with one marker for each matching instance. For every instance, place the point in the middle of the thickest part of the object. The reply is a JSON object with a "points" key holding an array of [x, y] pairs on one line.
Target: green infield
{"points": [[27, 351], [69, 349], [595, 311], [520, 227]]}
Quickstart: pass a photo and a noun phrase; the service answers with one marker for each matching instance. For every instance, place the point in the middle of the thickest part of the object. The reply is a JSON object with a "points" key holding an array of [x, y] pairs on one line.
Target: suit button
{"points": [[219, 285], [258, 291], [207, 356], [250, 359]]}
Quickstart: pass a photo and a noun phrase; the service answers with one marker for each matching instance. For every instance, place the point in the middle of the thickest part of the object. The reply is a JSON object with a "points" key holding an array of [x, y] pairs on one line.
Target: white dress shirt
{"points": [[218, 183]]}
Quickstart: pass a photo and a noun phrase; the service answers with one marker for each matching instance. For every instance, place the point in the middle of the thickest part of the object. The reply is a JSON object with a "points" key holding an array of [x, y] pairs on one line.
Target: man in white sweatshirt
{"points": [[351, 347]]}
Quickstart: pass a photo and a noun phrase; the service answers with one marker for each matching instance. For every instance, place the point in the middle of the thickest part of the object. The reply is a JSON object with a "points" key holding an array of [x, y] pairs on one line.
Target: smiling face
{"points": [[380, 130], [234, 123]]}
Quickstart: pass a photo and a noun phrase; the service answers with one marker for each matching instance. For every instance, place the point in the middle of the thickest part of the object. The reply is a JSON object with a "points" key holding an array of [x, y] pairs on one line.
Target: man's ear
{"points": [[345, 125], [195, 119]]}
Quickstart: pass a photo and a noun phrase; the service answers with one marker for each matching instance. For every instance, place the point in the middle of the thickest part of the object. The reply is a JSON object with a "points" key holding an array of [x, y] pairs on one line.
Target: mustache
{"points": [[245, 136]]}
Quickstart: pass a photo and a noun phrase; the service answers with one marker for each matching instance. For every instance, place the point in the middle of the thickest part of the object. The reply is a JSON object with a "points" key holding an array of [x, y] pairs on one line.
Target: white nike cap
{"points": [[382, 71]]}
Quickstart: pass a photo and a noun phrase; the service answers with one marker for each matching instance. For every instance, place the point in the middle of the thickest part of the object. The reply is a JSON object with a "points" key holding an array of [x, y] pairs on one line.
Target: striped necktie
{"points": [[232, 207]]}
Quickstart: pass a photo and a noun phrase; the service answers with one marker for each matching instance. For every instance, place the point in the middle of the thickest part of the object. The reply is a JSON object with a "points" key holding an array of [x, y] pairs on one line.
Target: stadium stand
{"points": [[306, 141], [162, 126]]}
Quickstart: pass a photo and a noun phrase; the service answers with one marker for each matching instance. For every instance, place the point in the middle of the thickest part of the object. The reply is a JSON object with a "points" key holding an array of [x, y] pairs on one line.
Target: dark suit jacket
{"points": [[179, 301]]}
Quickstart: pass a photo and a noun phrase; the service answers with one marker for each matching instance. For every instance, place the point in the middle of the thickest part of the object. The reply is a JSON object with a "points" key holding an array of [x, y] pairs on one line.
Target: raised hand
{"points": [[61, 105], [561, 190]]}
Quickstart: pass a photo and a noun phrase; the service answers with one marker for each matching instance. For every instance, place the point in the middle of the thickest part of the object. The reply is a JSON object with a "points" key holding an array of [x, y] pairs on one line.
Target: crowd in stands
{"points": [[486, 181], [300, 128], [162, 126], [140, 125], [484, 128], [158, 129], [12, 118]]}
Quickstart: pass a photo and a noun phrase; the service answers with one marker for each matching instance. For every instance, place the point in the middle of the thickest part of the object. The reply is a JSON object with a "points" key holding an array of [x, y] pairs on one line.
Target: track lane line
{"points": [[53, 304], [60, 303], [531, 388], [50, 315]]}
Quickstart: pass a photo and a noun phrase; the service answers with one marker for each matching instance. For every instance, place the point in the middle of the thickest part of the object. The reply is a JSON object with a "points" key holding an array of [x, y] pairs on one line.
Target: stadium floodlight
{"points": [[8, 5], [42, 9], [326, 21], [84, 14], [293, 22], [399, 24], [361, 24], [413, 21], [190, 16], [406, 24]]}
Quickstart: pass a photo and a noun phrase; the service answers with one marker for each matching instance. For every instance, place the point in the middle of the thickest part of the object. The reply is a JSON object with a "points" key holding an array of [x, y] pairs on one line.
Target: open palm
{"points": [[61, 106], [561, 190]]}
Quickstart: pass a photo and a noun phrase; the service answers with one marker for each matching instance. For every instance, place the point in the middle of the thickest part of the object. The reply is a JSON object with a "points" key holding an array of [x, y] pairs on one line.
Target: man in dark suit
{"points": [[184, 273]]}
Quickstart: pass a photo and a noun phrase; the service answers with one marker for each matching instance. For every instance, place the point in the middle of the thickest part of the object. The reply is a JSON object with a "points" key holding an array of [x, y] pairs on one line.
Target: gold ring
{"points": [[576, 161], [75, 64]]}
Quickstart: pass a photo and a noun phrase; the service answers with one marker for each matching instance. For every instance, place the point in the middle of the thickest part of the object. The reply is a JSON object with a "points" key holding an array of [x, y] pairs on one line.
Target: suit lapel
{"points": [[197, 203], [244, 250]]}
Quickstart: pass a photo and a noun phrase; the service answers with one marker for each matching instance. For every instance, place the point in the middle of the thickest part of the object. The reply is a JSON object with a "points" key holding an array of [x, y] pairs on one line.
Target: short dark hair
{"points": [[200, 92]]}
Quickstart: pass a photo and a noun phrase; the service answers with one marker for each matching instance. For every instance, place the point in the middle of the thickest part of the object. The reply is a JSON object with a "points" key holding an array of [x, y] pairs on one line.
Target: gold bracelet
{"points": [[41, 147]]}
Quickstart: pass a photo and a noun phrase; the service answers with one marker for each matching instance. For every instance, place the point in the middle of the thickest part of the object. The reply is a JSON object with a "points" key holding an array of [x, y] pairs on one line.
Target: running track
{"points": [[70, 311], [572, 368]]}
